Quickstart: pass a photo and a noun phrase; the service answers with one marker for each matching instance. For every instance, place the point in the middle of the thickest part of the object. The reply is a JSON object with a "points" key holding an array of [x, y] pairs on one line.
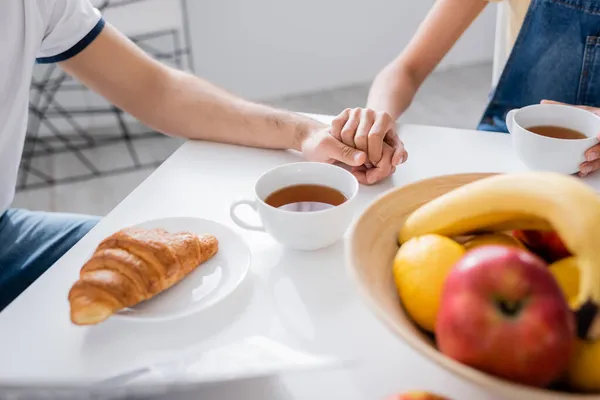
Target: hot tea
{"points": [[306, 198], [556, 132]]}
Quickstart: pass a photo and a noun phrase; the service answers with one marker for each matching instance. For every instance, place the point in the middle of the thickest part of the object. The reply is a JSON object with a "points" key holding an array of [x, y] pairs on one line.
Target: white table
{"points": [[305, 300]]}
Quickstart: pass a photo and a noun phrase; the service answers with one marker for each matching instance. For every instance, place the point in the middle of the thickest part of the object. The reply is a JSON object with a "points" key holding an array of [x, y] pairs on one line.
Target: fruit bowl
{"points": [[370, 251]]}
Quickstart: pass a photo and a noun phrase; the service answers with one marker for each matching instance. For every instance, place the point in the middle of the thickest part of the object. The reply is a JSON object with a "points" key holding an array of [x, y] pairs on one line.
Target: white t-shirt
{"points": [[45, 31]]}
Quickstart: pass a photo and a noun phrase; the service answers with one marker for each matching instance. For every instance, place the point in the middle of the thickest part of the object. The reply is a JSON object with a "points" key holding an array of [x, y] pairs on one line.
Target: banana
{"points": [[569, 206], [518, 223]]}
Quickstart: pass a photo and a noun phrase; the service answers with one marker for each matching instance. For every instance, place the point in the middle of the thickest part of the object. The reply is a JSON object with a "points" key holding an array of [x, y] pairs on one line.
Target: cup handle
{"points": [[240, 222], [510, 119]]}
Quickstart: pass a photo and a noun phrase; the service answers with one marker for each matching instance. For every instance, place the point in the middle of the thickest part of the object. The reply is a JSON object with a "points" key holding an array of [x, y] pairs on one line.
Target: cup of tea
{"points": [[553, 137], [304, 206]]}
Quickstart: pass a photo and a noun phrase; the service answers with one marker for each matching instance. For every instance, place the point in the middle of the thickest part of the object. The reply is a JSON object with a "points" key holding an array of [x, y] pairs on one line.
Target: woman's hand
{"points": [[374, 133], [592, 155]]}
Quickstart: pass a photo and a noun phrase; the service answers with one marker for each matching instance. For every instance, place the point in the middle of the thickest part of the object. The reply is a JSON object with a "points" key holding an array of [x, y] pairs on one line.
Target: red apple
{"points": [[503, 313], [546, 244], [416, 396]]}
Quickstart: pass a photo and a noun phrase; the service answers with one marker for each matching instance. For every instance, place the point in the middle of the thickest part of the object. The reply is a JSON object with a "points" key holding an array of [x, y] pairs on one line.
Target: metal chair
{"points": [[55, 128]]}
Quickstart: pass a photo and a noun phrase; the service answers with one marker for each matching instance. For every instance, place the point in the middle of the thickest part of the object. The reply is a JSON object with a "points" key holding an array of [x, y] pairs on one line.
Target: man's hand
{"points": [[320, 146], [592, 155], [374, 133]]}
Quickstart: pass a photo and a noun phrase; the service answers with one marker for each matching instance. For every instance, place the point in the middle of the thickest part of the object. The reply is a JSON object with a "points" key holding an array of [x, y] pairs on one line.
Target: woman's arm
{"points": [[395, 86]]}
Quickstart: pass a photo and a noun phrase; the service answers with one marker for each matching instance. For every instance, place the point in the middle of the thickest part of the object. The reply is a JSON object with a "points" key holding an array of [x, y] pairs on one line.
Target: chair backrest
{"points": [[500, 54]]}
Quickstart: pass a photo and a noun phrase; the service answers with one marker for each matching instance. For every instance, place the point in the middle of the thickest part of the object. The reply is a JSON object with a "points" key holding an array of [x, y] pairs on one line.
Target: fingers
{"points": [[370, 175], [338, 123], [593, 153], [367, 118], [349, 129], [552, 102], [588, 167], [381, 127], [384, 167], [592, 161], [360, 173], [340, 152], [400, 154]]}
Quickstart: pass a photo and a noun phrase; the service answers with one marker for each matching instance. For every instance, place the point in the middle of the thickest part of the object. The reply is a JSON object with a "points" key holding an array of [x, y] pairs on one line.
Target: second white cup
{"points": [[547, 153]]}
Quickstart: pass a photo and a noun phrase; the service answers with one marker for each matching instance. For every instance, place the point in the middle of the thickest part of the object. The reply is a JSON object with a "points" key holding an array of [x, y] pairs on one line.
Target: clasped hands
{"points": [[361, 138]]}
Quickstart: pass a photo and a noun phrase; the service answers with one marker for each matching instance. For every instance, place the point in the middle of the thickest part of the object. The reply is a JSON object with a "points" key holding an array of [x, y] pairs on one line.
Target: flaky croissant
{"points": [[134, 265]]}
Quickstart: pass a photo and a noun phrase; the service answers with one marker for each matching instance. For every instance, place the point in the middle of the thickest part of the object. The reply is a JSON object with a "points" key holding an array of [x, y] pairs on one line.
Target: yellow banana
{"points": [[568, 205], [524, 222]]}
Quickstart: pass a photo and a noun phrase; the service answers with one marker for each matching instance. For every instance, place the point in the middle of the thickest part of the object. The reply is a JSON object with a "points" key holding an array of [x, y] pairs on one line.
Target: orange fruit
{"points": [[420, 269]]}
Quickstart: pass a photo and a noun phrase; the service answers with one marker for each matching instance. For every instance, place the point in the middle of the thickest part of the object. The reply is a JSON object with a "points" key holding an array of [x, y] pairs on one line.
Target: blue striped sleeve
{"points": [[77, 48]]}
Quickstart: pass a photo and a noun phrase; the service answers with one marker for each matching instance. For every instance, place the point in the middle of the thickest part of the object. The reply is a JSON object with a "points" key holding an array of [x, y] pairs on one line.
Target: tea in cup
{"points": [[553, 137], [304, 206]]}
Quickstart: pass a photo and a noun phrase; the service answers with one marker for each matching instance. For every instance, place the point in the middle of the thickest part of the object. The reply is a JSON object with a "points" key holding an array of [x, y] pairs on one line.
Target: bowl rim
{"points": [[480, 378]]}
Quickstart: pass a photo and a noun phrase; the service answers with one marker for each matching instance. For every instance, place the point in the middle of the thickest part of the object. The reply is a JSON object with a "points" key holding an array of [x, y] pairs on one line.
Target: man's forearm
{"points": [[178, 103], [193, 108]]}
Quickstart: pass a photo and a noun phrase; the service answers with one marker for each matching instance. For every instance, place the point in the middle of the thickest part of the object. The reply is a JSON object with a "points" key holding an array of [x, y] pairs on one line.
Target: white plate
{"points": [[204, 287]]}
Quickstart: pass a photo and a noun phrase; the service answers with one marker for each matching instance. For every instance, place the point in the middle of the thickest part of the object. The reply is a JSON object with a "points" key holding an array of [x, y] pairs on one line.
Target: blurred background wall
{"points": [[270, 48]]}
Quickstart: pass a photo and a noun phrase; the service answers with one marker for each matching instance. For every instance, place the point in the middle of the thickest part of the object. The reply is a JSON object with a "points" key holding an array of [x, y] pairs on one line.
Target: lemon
{"points": [[420, 269], [584, 370], [492, 239], [566, 274]]}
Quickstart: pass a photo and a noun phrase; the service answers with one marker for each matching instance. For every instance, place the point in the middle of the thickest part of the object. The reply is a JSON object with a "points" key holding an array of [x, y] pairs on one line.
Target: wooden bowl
{"points": [[370, 251]]}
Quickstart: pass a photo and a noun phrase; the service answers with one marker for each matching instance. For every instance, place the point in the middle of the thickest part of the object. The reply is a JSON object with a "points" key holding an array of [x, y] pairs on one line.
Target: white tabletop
{"points": [[305, 300]]}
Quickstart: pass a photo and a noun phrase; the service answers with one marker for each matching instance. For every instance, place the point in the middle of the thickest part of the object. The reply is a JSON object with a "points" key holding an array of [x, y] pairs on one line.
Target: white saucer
{"points": [[204, 287]]}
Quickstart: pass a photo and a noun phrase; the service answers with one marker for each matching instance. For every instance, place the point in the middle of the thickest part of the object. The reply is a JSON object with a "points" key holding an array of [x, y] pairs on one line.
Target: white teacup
{"points": [[302, 230], [551, 154]]}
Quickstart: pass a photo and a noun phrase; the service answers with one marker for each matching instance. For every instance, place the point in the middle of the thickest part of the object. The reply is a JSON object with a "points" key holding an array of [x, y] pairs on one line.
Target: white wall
{"points": [[267, 48], [145, 16]]}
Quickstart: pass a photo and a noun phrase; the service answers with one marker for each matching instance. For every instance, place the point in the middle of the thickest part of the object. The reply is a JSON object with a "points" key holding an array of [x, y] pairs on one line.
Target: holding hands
{"points": [[361, 138], [374, 134]]}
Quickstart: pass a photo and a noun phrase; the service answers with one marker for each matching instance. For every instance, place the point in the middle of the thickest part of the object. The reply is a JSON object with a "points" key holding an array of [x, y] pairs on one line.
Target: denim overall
{"points": [[555, 57]]}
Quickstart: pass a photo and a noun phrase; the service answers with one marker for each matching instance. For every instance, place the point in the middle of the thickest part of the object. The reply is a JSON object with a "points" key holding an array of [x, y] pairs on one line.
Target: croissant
{"points": [[134, 265]]}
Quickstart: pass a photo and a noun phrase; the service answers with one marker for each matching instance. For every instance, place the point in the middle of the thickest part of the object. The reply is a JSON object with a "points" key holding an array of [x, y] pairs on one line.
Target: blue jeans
{"points": [[30, 242]]}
